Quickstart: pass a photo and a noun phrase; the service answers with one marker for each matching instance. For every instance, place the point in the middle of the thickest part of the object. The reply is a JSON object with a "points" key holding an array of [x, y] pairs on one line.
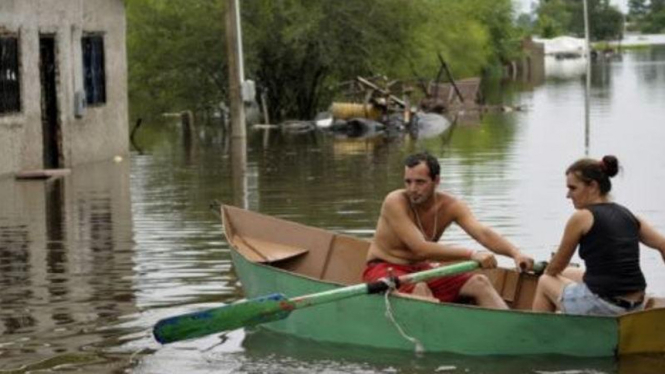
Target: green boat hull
{"points": [[450, 328]]}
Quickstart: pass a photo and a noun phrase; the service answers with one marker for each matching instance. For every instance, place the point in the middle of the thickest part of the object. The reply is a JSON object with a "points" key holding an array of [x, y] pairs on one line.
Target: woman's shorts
{"points": [[577, 298]]}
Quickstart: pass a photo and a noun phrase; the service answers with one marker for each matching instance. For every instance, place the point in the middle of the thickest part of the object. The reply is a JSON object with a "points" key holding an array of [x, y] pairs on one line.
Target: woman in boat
{"points": [[608, 236]]}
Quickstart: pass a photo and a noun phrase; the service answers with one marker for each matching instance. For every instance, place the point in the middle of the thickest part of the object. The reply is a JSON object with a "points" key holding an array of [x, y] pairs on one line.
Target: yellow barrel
{"points": [[354, 110]]}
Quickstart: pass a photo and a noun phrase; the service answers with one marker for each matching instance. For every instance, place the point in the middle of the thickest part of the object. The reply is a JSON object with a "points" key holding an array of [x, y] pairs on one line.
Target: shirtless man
{"points": [[406, 239]]}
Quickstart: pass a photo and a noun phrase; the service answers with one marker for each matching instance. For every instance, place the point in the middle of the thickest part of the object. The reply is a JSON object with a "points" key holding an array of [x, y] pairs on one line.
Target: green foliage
{"points": [[446, 27], [647, 16], [524, 23], [637, 8], [296, 48], [176, 55], [300, 50], [609, 24], [656, 6], [553, 18], [559, 17], [497, 17], [654, 23], [302, 47]]}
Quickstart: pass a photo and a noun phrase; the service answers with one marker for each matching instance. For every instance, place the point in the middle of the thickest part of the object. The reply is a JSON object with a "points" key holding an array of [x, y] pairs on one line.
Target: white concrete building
{"points": [[63, 83]]}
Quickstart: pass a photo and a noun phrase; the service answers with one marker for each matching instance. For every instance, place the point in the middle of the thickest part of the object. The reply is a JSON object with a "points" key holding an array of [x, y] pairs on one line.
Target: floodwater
{"points": [[89, 262]]}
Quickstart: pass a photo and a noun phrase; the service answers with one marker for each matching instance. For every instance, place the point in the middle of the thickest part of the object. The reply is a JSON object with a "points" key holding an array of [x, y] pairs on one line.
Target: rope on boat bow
{"points": [[392, 286]]}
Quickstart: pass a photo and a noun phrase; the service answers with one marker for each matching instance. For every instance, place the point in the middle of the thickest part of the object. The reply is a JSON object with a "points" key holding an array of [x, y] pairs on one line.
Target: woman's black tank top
{"points": [[611, 251]]}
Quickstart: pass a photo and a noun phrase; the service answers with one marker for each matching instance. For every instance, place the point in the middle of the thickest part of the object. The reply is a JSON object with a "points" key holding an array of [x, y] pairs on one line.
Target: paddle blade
{"points": [[228, 317]]}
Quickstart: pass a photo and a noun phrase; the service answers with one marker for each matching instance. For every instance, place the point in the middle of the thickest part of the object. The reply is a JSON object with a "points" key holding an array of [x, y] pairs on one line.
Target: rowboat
{"points": [[272, 255]]}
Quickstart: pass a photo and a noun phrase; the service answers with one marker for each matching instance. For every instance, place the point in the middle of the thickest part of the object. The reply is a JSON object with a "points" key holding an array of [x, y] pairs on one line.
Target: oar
{"points": [[276, 307]]}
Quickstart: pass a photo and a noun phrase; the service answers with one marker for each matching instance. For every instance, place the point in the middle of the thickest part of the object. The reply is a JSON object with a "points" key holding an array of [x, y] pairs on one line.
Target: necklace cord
{"points": [[436, 220]]}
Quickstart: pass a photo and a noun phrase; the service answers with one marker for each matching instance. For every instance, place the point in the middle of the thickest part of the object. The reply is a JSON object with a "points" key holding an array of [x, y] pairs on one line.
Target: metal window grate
{"points": [[94, 75], [10, 89]]}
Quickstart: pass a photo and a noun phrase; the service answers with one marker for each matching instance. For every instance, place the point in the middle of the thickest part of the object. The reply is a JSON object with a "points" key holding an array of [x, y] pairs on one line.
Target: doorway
{"points": [[49, 102]]}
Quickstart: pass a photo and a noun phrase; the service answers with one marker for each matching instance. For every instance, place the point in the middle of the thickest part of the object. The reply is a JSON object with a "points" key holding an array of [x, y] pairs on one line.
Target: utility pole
{"points": [[236, 73], [238, 127], [587, 89]]}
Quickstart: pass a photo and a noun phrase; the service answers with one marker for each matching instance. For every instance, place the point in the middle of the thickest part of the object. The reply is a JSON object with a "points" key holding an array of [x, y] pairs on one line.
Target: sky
{"points": [[524, 6]]}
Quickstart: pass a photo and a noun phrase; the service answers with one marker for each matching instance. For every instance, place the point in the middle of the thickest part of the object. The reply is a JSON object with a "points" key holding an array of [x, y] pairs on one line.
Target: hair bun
{"points": [[610, 165]]}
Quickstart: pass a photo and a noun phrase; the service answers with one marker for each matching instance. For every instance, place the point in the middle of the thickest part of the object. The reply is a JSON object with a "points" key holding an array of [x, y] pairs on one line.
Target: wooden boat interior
{"points": [[336, 258]]}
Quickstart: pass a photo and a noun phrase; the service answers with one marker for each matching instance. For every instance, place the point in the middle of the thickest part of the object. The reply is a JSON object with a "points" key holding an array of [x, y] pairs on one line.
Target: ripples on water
{"points": [[89, 262]]}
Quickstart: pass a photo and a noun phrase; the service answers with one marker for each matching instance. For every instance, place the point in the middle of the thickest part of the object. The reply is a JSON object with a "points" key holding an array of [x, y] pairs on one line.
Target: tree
{"points": [[656, 6], [637, 8], [300, 50], [557, 17], [176, 55], [656, 18], [648, 18], [497, 16], [654, 23], [554, 18], [525, 23], [608, 24]]}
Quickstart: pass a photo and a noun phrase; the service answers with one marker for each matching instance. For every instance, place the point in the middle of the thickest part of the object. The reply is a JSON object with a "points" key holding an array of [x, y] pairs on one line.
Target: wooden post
{"points": [[450, 78], [239, 172], [238, 126], [264, 105], [236, 74]]}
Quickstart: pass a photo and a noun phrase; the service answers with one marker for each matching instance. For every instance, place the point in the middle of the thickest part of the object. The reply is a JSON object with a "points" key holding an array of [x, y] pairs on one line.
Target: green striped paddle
{"points": [[276, 307]]}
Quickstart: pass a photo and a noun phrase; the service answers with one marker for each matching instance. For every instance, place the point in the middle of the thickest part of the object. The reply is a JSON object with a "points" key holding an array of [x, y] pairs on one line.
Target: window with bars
{"points": [[10, 89], [94, 75]]}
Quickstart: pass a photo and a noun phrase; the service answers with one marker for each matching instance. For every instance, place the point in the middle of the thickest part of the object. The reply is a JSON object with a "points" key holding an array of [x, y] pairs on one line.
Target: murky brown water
{"points": [[89, 262]]}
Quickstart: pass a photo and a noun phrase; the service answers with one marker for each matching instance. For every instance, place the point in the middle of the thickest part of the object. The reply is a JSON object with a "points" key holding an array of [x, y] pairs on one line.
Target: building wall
{"points": [[102, 132], [533, 64]]}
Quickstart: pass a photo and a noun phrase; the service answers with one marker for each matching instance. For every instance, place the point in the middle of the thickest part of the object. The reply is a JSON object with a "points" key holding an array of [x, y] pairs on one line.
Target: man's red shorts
{"points": [[446, 289]]}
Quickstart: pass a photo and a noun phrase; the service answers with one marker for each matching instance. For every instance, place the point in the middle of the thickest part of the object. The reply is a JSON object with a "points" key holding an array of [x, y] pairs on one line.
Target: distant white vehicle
{"points": [[564, 47]]}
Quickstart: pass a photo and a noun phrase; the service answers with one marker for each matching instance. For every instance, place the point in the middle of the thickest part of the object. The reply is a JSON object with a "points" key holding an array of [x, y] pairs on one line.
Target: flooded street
{"points": [[89, 262]]}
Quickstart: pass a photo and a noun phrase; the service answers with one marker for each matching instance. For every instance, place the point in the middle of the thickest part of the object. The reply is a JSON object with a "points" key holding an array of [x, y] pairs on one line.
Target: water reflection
{"points": [[14, 260], [66, 261], [652, 71], [265, 349], [563, 69], [239, 171]]}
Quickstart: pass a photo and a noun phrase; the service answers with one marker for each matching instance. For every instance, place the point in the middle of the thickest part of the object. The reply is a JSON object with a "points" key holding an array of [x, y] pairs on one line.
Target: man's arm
{"points": [[487, 237]]}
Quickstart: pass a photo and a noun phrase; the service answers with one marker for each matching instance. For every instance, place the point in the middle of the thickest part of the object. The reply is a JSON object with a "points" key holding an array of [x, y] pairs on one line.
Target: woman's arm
{"points": [[651, 238], [579, 224]]}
